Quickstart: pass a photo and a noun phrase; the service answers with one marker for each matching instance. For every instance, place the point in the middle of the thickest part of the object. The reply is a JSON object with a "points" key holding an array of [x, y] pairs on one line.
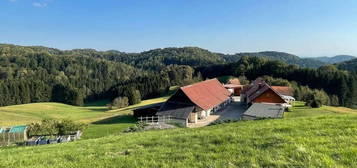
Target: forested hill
{"points": [[41, 74], [348, 65], [158, 59], [37, 74], [280, 56], [333, 81], [335, 59]]}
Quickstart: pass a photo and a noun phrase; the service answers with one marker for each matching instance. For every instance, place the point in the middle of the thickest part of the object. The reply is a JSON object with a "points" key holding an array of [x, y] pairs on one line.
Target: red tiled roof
{"points": [[284, 90], [206, 94]]}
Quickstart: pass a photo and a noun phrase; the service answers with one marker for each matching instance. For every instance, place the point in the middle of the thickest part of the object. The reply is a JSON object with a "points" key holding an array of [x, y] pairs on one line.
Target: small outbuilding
{"points": [[262, 110], [13, 134], [234, 88]]}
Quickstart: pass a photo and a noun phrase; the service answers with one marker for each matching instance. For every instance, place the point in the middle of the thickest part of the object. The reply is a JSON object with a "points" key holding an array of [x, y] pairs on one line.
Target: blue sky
{"points": [[302, 27]]}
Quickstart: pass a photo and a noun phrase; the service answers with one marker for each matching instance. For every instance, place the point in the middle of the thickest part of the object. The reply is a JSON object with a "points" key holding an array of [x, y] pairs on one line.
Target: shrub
{"points": [[54, 127], [139, 126], [121, 102]]}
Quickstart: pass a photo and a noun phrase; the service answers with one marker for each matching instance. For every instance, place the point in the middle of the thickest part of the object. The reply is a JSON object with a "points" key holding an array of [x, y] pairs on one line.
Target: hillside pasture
{"points": [[318, 141], [300, 110], [101, 120]]}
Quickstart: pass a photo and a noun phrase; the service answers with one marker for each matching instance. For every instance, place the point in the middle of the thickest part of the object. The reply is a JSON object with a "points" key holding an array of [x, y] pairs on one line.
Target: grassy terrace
{"points": [[324, 137]]}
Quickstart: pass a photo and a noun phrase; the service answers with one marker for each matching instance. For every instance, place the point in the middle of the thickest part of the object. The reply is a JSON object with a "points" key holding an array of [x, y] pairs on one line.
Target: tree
{"points": [[134, 96], [334, 100], [120, 102]]}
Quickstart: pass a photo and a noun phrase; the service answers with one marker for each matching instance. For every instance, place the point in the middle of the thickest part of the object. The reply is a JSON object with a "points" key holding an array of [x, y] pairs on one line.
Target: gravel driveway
{"points": [[232, 111]]}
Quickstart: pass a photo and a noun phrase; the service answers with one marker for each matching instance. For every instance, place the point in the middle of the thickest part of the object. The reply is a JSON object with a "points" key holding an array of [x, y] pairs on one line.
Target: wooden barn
{"points": [[261, 92], [147, 111], [197, 101]]}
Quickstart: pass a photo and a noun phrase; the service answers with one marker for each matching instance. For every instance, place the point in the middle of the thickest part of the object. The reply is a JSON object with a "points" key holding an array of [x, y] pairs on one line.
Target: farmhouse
{"points": [[195, 102], [260, 92], [233, 85]]}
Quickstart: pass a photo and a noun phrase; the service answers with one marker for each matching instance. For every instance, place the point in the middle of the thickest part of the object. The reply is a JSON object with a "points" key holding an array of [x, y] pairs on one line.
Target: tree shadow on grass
{"points": [[117, 119]]}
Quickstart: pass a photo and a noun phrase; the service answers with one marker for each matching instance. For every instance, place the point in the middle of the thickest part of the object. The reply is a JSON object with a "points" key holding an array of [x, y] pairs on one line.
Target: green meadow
{"points": [[100, 120], [322, 137]]}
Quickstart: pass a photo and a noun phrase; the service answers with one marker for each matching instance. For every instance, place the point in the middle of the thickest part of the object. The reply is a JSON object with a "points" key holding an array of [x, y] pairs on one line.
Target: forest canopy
{"points": [[41, 74]]}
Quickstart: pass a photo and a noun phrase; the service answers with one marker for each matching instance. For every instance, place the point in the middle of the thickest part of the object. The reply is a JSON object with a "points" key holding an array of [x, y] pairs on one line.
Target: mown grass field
{"points": [[322, 140], [101, 121]]}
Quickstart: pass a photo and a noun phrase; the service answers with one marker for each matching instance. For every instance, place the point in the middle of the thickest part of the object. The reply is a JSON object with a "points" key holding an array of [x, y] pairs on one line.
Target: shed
{"points": [[262, 110], [234, 88]]}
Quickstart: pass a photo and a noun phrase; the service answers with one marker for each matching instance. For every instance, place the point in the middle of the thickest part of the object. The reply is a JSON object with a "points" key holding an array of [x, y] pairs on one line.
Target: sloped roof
{"points": [[206, 94], [150, 106], [257, 88], [261, 110], [284, 90], [176, 110]]}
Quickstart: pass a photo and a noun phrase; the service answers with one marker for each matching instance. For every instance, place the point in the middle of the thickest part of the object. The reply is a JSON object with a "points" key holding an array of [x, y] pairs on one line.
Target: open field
{"points": [[101, 120], [326, 140], [27, 113], [300, 110]]}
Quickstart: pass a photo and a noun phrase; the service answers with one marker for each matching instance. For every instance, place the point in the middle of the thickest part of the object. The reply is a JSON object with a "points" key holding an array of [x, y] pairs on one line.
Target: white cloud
{"points": [[39, 4]]}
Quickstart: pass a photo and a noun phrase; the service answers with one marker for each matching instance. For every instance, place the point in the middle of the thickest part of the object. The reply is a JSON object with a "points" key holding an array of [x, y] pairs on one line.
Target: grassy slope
{"points": [[103, 122], [326, 138], [120, 121]]}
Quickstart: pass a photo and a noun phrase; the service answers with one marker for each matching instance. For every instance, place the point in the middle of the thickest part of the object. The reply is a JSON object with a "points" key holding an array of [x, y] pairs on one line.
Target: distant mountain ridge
{"points": [[335, 59]]}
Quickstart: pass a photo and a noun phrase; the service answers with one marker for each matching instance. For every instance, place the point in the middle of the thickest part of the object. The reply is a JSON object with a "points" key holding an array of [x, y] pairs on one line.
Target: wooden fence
{"points": [[155, 119]]}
